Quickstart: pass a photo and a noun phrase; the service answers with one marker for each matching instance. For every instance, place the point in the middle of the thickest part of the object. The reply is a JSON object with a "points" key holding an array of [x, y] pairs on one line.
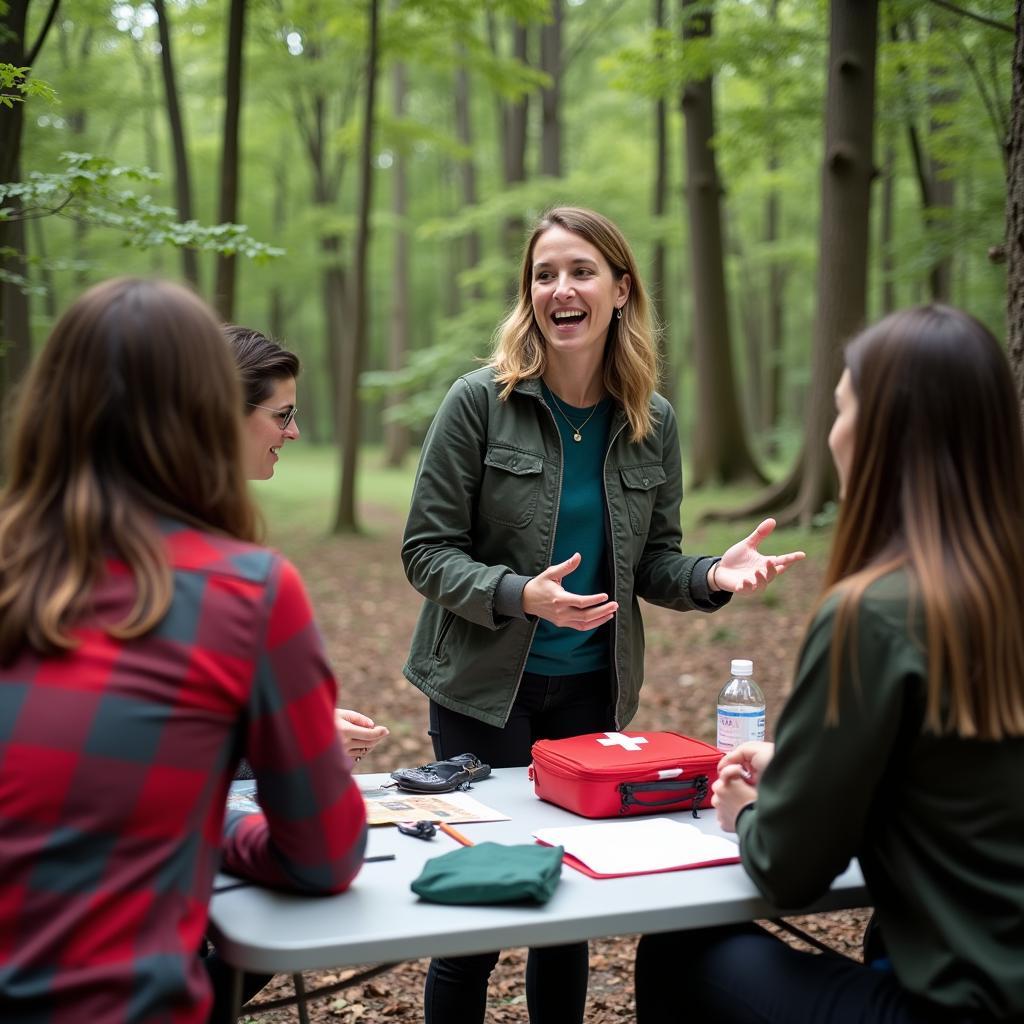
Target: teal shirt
{"points": [[558, 650]]}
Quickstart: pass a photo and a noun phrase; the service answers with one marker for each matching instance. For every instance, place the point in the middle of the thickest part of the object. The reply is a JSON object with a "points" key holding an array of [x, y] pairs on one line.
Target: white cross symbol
{"points": [[618, 739]]}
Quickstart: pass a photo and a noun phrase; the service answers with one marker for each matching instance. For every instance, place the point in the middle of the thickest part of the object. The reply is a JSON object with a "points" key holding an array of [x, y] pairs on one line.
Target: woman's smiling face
{"points": [[574, 292], [263, 436]]}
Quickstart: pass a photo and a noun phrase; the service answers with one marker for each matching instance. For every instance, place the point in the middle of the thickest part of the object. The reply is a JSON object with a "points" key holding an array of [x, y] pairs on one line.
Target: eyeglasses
{"points": [[284, 416]]}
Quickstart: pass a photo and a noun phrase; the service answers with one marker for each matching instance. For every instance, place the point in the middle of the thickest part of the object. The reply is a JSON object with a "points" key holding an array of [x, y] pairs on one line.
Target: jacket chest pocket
{"points": [[640, 486], [510, 486]]}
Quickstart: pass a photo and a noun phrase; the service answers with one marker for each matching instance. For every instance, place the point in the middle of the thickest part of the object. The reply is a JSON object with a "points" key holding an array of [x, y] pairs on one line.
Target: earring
{"points": [[618, 312]]}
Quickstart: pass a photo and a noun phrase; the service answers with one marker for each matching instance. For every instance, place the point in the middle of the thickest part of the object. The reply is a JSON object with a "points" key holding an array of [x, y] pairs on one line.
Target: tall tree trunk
{"points": [[551, 96], [940, 212], [847, 173], [472, 251], [77, 119], [514, 149], [15, 323], [720, 449], [886, 229], [227, 210], [771, 405], [659, 256], [352, 354], [397, 434], [1015, 214], [182, 177], [150, 148], [843, 241]]}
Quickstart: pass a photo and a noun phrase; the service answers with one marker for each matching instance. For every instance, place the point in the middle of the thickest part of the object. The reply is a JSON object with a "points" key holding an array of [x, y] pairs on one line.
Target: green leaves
{"points": [[90, 189], [18, 80]]}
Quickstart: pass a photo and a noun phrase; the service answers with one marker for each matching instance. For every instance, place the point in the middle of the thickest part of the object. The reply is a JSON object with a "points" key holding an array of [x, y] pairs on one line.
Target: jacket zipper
{"points": [[615, 571], [551, 551]]}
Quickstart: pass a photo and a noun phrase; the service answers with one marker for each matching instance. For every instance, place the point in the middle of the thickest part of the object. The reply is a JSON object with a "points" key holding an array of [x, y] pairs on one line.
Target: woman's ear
{"points": [[625, 283]]}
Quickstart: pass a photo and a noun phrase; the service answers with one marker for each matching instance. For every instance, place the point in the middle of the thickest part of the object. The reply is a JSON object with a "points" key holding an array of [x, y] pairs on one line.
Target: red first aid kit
{"points": [[616, 774]]}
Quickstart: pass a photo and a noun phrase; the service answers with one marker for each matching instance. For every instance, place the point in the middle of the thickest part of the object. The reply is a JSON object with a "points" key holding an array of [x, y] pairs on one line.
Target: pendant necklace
{"points": [[577, 432]]}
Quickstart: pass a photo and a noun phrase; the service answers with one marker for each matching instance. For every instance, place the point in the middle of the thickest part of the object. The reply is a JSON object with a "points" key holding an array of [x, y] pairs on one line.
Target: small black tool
{"points": [[417, 829]]}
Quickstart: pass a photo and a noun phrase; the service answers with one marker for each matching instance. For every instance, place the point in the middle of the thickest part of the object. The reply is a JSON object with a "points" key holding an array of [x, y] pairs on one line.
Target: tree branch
{"points": [[1001, 129], [964, 13], [30, 57]]}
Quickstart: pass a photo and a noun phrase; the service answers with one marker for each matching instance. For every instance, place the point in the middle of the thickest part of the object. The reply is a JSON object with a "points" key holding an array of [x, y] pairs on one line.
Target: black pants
{"points": [[546, 707], [743, 974]]}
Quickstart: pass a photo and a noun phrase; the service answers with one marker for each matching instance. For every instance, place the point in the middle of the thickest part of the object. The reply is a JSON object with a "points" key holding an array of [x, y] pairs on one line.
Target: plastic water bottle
{"points": [[740, 707]]}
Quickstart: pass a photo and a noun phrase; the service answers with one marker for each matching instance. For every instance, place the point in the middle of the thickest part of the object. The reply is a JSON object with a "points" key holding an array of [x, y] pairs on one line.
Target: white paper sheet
{"points": [[638, 845]]}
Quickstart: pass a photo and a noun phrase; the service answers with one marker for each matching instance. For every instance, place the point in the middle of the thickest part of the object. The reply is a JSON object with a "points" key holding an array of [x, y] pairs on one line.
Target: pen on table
{"points": [[457, 836], [380, 856]]}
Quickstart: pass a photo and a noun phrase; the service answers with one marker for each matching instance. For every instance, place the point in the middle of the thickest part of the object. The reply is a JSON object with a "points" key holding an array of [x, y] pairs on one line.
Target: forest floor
{"points": [[366, 610]]}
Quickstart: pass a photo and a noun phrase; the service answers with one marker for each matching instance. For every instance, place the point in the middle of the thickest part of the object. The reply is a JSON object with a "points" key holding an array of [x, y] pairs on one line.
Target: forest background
{"points": [[357, 176]]}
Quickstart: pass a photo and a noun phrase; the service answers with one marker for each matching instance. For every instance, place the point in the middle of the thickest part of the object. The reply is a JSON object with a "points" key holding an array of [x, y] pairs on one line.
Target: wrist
{"points": [[713, 578]]}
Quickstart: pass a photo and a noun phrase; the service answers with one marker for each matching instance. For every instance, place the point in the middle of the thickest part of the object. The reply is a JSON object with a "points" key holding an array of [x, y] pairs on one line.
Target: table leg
{"points": [[300, 998], [236, 993]]}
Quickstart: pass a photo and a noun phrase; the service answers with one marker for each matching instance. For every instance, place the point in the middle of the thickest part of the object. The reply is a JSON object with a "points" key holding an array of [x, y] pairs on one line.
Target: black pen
{"points": [[382, 856]]}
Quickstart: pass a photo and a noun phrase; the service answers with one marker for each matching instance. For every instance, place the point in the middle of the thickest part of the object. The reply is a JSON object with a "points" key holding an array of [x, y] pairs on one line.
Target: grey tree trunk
{"points": [[227, 210], [843, 240], [551, 97], [885, 240], [396, 435], [1015, 214], [472, 251], [182, 176], [346, 520], [847, 173], [659, 256], [720, 449]]}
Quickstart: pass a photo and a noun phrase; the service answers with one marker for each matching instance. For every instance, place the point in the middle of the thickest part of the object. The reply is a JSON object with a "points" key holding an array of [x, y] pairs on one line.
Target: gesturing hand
{"points": [[545, 597], [743, 569]]}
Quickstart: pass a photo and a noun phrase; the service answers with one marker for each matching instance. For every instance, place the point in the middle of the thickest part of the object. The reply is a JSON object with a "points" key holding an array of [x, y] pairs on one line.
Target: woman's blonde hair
{"points": [[630, 355], [936, 487], [131, 412]]}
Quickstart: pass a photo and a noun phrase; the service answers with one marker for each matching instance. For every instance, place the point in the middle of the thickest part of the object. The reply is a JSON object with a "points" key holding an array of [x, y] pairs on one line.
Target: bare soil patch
{"points": [[366, 610]]}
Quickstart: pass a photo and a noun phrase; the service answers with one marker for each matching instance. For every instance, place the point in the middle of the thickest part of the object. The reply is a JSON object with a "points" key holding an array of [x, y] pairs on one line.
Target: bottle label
{"points": [[738, 725]]}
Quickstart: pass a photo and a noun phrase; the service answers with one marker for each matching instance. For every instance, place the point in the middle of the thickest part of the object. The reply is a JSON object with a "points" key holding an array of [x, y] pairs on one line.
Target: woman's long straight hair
{"points": [[630, 356], [130, 413], [936, 485]]}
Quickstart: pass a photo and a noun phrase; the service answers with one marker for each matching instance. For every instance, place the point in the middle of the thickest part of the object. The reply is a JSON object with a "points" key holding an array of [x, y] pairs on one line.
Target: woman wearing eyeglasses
{"points": [[267, 372]]}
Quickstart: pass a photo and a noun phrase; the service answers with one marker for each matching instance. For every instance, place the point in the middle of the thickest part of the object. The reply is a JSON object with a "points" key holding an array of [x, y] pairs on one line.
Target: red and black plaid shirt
{"points": [[115, 762]]}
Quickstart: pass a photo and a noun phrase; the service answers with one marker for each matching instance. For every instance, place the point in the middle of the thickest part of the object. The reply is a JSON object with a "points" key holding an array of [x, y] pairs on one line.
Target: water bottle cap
{"points": [[742, 667]]}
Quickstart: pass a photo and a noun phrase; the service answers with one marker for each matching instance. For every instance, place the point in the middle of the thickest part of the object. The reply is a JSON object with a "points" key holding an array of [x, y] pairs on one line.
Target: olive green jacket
{"points": [[482, 523], [937, 822]]}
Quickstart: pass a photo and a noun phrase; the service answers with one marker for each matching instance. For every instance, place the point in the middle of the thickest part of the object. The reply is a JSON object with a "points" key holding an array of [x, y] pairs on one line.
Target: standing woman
{"points": [[146, 644], [268, 373], [546, 503], [903, 741]]}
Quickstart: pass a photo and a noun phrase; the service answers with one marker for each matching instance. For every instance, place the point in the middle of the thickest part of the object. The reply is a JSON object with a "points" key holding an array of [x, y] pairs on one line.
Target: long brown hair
{"points": [[130, 412], [936, 485], [630, 355]]}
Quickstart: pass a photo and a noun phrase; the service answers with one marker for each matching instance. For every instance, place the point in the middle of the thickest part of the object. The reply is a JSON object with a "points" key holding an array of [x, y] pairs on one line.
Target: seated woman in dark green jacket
{"points": [[546, 504], [903, 742]]}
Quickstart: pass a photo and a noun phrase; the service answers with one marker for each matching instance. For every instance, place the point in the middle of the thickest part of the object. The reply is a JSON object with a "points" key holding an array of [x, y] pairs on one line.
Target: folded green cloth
{"points": [[491, 873]]}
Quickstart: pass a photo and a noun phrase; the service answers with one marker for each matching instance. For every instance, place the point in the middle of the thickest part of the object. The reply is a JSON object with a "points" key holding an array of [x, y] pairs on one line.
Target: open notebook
{"points": [[639, 846]]}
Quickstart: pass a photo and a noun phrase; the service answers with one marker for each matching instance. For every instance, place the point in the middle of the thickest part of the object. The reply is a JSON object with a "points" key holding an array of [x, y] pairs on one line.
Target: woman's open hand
{"points": [[545, 597], [743, 569]]}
